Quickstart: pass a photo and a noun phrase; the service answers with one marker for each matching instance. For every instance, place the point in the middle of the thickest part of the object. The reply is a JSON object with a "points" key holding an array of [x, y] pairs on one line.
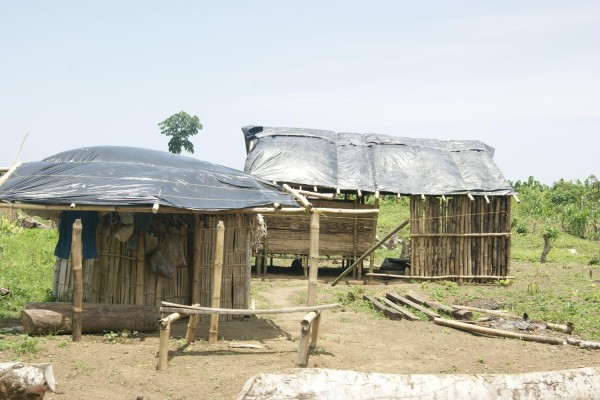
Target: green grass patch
{"points": [[21, 345], [26, 267]]}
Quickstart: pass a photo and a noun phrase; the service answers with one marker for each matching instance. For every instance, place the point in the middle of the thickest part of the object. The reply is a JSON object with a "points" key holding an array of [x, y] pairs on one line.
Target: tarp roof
{"points": [[371, 162], [129, 176]]}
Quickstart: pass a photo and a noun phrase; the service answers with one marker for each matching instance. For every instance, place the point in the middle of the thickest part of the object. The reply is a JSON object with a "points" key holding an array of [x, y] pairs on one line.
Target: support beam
{"points": [[77, 271], [366, 254], [217, 277]]}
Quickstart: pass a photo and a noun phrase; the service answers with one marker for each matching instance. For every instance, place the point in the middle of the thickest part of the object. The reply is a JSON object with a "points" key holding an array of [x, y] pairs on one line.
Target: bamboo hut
{"points": [[151, 220], [459, 200]]}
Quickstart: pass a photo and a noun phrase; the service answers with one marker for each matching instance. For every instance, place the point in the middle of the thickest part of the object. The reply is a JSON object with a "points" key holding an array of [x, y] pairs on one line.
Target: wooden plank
{"points": [[389, 312], [405, 313], [395, 297]]}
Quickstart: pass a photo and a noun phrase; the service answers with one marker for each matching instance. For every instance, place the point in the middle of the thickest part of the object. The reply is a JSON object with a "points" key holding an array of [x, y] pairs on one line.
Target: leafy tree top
{"points": [[180, 127]]}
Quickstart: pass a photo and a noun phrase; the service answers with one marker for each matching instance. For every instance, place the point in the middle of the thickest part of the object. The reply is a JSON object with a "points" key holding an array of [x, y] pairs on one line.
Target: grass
{"points": [[21, 345], [26, 266]]}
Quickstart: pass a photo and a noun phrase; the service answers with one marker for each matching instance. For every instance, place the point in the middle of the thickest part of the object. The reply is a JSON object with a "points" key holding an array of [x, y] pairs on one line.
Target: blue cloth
{"points": [[89, 224]]}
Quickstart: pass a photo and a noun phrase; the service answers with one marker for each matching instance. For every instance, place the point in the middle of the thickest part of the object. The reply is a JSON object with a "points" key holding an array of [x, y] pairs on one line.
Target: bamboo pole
{"points": [[372, 258], [366, 254], [196, 265], [313, 271], [463, 235], [169, 210], [163, 346], [181, 308], [498, 332], [217, 276], [305, 338], [440, 277], [76, 266], [305, 203]]}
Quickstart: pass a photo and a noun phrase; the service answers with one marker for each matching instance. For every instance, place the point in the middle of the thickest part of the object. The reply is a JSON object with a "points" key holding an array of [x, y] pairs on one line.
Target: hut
{"points": [[459, 200], [149, 222]]}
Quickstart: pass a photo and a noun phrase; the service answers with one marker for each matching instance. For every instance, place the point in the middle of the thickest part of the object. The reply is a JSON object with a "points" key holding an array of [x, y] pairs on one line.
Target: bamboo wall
{"points": [[338, 236], [459, 237], [112, 278]]}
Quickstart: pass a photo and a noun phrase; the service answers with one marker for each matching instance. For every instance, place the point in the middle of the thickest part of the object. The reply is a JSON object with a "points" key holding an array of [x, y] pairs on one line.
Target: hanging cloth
{"points": [[89, 223]]}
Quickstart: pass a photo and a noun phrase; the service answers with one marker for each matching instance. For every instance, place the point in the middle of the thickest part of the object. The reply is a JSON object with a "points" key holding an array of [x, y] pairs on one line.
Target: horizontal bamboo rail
{"points": [[494, 234], [172, 307], [441, 277], [171, 210]]}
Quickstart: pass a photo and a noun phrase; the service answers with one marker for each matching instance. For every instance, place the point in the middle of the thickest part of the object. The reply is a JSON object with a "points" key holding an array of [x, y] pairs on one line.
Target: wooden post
{"points": [[217, 276], [314, 331], [248, 269], [314, 260], [141, 261], [163, 347], [372, 258], [305, 339], [196, 264], [76, 265]]}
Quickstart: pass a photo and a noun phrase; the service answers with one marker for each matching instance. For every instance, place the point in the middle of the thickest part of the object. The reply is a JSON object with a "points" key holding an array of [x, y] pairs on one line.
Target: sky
{"points": [[521, 76]]}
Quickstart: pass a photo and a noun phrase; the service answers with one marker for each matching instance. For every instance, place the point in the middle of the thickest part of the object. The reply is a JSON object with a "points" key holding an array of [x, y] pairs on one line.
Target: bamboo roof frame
{"points": [[173, 210]]}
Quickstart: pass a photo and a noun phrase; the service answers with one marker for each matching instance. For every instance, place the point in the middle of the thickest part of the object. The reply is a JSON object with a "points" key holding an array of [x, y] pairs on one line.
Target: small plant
{"points": [[111, 337]]}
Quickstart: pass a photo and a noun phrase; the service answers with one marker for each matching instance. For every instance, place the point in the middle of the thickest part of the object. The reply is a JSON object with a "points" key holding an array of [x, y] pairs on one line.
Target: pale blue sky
{"points": [[522, 76]]}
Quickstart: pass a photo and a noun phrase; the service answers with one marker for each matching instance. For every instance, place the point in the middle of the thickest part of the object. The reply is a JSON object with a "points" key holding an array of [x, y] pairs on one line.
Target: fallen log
{"points": [[56, 318], [387, 311], [566, 328], [439, 307], [329, 384], [395, 297], [405, 313], [19, 381], [498, 332], [584, 344]]}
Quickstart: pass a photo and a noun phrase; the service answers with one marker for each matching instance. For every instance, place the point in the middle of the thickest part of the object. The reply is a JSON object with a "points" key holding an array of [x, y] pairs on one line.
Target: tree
{"points": [[180, 127]]}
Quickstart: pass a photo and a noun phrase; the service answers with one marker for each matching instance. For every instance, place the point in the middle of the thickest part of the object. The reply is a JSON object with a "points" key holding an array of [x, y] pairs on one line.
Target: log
{"points": [[498, 332], [46, 318], [19, 381], [395, 297], [389, 312], [439, 307], [405, 313], [584, 344], [330, 384]]}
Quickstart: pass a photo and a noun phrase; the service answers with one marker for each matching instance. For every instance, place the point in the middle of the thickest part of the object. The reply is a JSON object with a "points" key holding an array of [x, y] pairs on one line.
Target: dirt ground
{"points": [[96, 368]]}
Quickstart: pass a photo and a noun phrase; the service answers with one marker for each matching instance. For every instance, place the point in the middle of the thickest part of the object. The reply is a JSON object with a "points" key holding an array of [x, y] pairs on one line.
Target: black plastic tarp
{"points": [[129, 176], [370, 162]]}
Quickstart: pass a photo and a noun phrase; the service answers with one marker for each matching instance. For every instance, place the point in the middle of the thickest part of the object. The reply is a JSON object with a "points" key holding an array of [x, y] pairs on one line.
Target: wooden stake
{"points": [[163, 347], [76, 265], [314, 260], [141, 260], [217, 276]]}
